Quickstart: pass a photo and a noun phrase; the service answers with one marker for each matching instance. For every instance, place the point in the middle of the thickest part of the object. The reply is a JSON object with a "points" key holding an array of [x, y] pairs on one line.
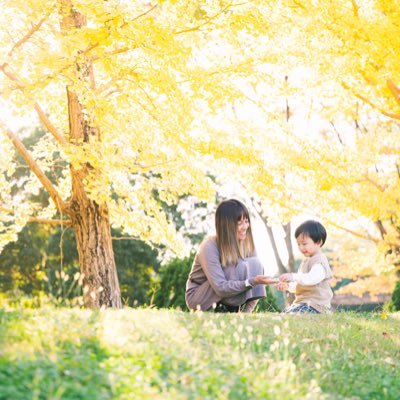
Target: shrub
{"points": [[173, 277], [268, 303], [394, 304]]}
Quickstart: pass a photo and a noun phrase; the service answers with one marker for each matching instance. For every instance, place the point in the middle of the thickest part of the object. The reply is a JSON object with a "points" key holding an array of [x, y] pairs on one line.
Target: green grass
{"points": [[164, 354]]}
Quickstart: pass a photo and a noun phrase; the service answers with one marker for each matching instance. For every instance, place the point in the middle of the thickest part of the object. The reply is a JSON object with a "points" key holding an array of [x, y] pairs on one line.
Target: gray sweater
{"points": [[209, 282]]}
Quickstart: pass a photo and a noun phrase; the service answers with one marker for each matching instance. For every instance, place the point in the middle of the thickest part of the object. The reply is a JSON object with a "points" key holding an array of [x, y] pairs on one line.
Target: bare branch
{"points": [[43, 117], [62, 222], [355, 8], [377, 185], [48, 186], [381, 228], [6, 210], [198, 27], [354, 233], [298, 4], [27, 36], [143, 14], [47, 123], [337, 132], [110, 53], [124, 238], [394, 89], [380, 109]]}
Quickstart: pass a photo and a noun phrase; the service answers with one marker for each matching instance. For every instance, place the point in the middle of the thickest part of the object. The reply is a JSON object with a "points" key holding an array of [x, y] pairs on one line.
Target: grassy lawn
{"points": [[164, 354]]}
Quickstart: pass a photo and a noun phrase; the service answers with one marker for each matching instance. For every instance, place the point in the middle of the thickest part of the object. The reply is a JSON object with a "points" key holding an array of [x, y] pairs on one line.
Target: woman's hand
{"points": [[286, 278], [265, 280]]}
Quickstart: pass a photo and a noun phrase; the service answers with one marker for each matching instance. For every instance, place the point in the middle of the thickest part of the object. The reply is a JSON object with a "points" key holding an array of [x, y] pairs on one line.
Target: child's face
{"points": [[307, 246]]}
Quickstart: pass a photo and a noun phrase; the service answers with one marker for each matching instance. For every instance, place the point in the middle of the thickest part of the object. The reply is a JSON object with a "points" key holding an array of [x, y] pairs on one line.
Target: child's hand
{"points": [[286, 278], [282, 286]]}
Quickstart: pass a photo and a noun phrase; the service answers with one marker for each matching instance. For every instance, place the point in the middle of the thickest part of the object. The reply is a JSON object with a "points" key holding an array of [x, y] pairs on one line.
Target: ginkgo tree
{"points": [[353, 46], [123, 89], [342, 64], [139, 100]]}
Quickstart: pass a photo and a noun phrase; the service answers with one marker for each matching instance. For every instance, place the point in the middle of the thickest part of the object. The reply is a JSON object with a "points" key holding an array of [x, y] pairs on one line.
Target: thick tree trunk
{"points": [[91, 223], [96, 256], [89, 219]]}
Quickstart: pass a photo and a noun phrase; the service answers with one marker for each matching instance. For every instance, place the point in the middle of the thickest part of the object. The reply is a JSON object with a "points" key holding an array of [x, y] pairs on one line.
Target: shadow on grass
{"points": [[71, 369]]}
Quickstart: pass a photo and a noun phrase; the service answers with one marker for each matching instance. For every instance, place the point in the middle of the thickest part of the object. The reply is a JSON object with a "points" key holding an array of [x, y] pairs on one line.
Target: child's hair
{"points": [[313, 229]]}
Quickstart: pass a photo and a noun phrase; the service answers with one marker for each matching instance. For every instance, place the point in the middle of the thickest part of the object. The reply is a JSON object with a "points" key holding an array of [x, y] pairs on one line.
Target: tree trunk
{"points": [[91, 222], [89, 219], [289, 246], [281, 267], [94, 243]]}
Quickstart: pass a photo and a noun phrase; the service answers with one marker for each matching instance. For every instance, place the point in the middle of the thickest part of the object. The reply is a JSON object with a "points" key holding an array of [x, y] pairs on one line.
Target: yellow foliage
{"points": [[373, 285], [180, 90]]}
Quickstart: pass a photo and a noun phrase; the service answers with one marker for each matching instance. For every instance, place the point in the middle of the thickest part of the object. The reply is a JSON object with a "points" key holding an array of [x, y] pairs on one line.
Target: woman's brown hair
{"points": [[227, 216]]}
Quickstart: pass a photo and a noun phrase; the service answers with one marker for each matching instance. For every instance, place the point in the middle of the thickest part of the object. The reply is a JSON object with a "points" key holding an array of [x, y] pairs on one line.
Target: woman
{"points": [[226, 275]]}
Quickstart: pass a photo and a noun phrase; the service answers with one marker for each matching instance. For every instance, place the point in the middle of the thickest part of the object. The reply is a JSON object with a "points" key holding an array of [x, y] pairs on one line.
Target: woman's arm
{"points": [[209, 259]]}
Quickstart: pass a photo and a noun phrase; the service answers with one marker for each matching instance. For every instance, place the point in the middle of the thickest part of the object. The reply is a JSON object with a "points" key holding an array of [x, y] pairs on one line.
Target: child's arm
{"points": [[315, 276]]}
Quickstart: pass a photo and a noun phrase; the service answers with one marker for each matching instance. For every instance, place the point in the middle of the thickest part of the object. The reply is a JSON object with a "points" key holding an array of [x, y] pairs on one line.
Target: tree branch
{"points": [[289, 246], [143, 14], [48, 186], [42, 116], [377, 185], [64, 222], [394, 89], [26, 37], [337, 132], [355, 8], [195, 28], [381, 228], [380, 109], [282, 269], [50, 127], [354, 233], [124, 238]]}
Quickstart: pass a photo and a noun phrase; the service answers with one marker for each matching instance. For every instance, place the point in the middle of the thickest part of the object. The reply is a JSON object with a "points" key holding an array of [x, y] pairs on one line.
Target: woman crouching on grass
{"points": [[226, 275]]}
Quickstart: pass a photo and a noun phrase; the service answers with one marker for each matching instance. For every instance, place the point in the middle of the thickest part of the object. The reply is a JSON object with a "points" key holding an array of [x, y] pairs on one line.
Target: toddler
{"points": [[311, 284]]}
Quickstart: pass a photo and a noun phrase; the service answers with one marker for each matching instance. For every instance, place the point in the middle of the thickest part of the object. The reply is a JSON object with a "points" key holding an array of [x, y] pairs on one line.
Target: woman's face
{"points": [[242, 226]]}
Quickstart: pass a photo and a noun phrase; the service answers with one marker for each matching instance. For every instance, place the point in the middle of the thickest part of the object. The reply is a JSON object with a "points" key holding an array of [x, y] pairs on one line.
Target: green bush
{"points": [[268, 303], [34, 268], [173, 277], [394, 304]]}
